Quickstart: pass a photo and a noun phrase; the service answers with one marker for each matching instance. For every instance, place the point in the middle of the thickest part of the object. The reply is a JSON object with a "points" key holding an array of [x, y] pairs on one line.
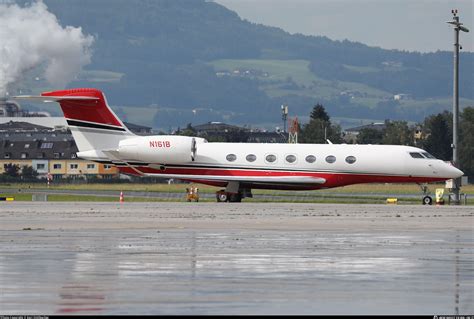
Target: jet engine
{"points": [[161, 149]]}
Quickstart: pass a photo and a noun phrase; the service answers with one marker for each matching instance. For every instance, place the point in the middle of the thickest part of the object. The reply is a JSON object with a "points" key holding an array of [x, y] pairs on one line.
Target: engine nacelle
{"points": [[161, 149]]}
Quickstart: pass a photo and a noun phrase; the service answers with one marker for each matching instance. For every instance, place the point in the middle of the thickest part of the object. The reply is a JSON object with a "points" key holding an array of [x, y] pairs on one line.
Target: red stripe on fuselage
{"points": [[333, 179], [95, 111]]}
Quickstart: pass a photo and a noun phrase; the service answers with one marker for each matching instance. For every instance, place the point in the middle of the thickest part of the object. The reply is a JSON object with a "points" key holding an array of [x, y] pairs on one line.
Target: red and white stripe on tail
{"points": [[94, 126]]}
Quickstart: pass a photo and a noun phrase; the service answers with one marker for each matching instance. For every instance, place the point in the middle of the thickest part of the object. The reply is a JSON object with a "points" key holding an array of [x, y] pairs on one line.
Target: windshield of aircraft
{"points": [[422, 155], [428, 155], [416, 155]]}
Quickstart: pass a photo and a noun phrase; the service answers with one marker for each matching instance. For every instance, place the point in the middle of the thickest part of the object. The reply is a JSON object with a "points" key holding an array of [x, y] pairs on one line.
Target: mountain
{"points": [[166, 63]]}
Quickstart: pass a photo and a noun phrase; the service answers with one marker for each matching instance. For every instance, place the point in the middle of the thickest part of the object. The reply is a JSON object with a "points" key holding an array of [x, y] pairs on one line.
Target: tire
{"points": [[222, 197], [427, 200]]}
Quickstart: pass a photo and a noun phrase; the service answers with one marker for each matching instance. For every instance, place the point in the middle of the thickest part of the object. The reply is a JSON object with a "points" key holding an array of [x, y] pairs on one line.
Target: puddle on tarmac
{"points": [[235, 272]]}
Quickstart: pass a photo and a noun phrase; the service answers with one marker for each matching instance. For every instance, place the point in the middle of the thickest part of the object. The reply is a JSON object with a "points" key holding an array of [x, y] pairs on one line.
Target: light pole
{"points": [[457, 27], [284, 116]]}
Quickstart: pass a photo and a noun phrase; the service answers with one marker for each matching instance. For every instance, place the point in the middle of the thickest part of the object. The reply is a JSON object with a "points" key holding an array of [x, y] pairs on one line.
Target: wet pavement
{"points": [[210, 258]]}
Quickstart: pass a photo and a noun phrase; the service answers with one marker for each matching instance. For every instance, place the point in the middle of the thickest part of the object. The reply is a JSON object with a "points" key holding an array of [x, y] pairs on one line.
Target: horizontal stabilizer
{"points": [[53, 98]]}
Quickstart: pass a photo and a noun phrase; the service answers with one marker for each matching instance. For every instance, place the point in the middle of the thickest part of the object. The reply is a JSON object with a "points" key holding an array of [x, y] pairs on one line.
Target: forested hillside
{"points": [[193, 61]]}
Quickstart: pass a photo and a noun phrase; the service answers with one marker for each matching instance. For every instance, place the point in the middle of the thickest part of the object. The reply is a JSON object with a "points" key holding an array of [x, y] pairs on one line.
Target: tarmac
{"points": [[235, 258]]}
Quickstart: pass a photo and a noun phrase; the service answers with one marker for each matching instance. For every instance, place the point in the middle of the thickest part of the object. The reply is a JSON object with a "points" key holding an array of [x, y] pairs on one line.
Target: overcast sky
{"points": [[414, 25]]}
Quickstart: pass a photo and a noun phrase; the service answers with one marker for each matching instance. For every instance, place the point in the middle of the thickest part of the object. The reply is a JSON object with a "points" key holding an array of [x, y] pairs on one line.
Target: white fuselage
{"points": [[291, 166]]}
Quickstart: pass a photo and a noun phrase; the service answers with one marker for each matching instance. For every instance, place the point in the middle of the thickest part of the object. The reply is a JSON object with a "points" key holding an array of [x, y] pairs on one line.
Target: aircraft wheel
{"points": [[222, 196], [427, 200]]}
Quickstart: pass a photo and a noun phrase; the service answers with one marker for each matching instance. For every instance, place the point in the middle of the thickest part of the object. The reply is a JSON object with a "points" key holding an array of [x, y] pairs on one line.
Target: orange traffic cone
{"points": [[121, 197]]}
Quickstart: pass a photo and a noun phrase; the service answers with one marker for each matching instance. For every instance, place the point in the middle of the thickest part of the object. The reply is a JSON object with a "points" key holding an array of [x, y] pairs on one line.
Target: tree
{"points": [[319, 128], [397, 133], [370, 136], [466, 141], [188, 131], [319, 113], [439, 136], [27, 172], [11, 170]]}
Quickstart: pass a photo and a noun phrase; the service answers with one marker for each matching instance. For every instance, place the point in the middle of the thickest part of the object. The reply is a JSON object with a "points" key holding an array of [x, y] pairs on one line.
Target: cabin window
{"points": [[291, 158], [310, 158], [271, 158], [73, 166], [231, 157], [90, 166], [331, 159], [428, 155], [350, 159], [251, 158], [416, 155], [57, 166]]}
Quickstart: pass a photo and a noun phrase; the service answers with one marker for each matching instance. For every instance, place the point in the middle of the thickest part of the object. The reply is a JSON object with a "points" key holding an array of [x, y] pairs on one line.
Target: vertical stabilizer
{"points": [[92, 122]]}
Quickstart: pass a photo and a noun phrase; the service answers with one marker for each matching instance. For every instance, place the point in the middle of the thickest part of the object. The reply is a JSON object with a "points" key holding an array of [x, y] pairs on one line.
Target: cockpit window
{"points": [[416, 155], [428, 155]]}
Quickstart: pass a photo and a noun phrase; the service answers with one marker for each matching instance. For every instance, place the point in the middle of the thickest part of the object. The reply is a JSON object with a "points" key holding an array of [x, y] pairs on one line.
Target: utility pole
{"points": [[284, 116], [457, 27]]}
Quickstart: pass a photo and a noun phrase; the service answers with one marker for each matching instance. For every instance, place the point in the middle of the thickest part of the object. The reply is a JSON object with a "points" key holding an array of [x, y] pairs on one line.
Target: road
{"points": [[229, 258], [300, 196]]}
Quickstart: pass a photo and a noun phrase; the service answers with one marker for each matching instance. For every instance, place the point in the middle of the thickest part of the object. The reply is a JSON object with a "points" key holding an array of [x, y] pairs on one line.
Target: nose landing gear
{"points": [[427, 199]]}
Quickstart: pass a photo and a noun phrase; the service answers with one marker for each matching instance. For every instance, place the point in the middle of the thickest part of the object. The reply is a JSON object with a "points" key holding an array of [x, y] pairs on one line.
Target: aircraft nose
{"points": [[454, 172]]}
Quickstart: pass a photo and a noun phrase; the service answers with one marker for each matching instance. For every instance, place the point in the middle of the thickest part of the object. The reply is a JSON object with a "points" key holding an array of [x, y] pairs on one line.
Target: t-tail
{"points": [[94, 126]]}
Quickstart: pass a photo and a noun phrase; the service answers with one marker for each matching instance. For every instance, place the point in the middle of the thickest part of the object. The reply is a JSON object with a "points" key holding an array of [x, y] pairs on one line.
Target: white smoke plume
{"points": [[31, 36]]}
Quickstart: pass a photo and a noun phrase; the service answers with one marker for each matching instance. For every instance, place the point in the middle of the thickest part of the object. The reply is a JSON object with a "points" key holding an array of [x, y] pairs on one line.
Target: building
{"points": [[48, 151], [402, 96]]}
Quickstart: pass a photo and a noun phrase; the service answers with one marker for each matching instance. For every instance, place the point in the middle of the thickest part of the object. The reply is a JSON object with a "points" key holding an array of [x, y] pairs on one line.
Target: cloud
{"points": [[31, 36]]}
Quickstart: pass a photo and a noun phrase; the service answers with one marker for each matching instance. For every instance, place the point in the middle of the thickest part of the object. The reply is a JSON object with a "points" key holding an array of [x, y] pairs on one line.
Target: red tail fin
{"points": [[94, 110]]}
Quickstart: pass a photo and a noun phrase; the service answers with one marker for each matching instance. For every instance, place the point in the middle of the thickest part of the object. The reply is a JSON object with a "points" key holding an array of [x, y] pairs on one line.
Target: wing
{"points": [[250, 179]]}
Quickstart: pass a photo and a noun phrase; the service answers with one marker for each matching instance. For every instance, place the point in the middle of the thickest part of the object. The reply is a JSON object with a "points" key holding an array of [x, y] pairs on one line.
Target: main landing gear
{"points": [[223, 196], [427, 199], [233, 193]]}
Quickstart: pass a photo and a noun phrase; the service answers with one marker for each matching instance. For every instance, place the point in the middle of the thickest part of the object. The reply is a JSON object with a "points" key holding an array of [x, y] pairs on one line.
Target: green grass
{"points": [[18, 197], [377, 193], [361, 69], [278, 69], [298, 70], [180, 188]]}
